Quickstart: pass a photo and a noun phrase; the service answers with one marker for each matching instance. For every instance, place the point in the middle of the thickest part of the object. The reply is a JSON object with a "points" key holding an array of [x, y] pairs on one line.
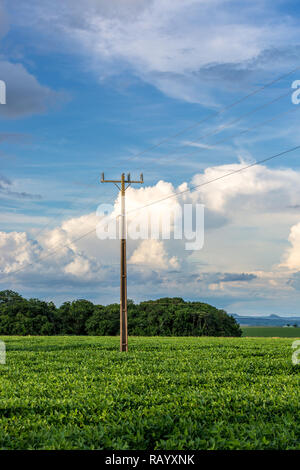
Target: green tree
{"points": [[71, 317], [164, 317], [19, 316], [105, 321]]}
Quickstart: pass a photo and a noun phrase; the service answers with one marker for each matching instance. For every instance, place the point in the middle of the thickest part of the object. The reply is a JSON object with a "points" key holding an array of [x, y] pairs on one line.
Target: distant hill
{"points": [[269, 320]]}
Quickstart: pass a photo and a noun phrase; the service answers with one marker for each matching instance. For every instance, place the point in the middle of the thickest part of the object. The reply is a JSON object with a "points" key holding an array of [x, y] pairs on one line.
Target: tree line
{"points": [[162, 317]]}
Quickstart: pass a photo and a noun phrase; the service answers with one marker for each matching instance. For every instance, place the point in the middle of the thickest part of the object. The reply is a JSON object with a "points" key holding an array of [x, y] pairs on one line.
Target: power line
{"points": [[53, 252], [218, 178], [216, 113], [235, 103], [239, 118], [167, 139], [211, 133], [267, 121], [178, 193], [94, 180], [232, 136]]}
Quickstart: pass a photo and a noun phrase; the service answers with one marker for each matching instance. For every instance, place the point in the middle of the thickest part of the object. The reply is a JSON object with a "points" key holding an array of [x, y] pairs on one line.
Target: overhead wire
{"points": [[175, 194]]}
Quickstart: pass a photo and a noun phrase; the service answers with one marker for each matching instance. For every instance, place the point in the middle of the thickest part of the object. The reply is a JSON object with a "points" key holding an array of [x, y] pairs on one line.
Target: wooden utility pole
{"points": [[123, 266]]}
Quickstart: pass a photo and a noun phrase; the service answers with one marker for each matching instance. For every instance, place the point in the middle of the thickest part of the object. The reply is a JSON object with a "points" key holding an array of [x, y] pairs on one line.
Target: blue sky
{"points": [[91, 85]]}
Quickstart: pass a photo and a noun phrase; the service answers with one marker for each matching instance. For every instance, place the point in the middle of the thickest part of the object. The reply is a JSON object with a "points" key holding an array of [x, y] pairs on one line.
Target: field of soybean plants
{"points": [[166, 393], [271, 331]]}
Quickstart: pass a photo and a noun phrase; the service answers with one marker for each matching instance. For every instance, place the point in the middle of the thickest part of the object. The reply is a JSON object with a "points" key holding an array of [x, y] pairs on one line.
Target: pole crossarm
{"points": [[123, 263], [126, 181]]}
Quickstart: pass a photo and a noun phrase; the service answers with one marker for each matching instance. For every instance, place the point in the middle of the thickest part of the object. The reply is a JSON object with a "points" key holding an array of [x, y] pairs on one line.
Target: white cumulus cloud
{"points": [[152, 253], [292, 254]]}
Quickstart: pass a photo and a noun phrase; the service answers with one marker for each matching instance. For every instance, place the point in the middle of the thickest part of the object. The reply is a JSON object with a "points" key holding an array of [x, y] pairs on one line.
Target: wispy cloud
{"points": [[6, 190], [188, 49]]}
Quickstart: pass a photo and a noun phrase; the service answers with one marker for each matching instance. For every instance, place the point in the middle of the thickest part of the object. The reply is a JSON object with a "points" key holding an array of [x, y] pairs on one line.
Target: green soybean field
{"points": [[271, 331], [166, 393]]}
